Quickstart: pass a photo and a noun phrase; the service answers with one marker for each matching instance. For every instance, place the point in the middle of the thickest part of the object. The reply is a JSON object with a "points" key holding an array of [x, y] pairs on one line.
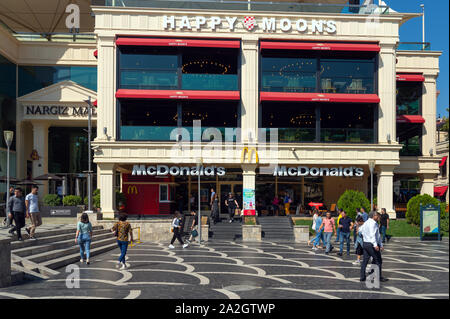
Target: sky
{"points": [[436, 32]]}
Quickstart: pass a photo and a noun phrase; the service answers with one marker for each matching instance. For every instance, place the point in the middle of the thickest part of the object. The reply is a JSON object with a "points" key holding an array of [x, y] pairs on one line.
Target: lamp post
{"points": [[8, 135], [423, 25], [89, 171], [371, 167], [199, 164]]}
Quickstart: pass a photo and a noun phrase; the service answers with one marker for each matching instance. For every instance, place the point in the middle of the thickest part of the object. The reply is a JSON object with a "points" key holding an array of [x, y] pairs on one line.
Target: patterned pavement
{"points": [[236, 270]]}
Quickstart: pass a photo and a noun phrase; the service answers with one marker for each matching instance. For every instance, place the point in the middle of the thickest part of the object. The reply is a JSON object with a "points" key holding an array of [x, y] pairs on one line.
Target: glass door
{"points": [[224, 190]]}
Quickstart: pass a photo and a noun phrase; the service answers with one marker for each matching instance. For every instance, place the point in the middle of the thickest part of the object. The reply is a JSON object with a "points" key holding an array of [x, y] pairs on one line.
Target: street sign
{"points": [[430, 220]]}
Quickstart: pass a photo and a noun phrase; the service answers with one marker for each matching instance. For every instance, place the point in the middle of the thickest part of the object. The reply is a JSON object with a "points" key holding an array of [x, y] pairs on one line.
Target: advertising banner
{"points": [[249, 202], [430, 220]]}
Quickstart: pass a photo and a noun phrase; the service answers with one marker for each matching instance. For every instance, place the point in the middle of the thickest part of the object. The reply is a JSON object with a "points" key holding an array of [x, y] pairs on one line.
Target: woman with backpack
{"points": [[83, 237], [122, 230], [177, 230]]}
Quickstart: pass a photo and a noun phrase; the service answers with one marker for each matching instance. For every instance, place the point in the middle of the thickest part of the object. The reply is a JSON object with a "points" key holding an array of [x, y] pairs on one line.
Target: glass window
{"points": [[7, 103], [163, 193], [409, 135], [288, 74], [409, 95], [347, 76]]}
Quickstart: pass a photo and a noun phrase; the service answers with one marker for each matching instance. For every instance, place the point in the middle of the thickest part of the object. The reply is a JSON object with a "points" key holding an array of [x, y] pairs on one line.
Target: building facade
{"points": [[260, 100]]}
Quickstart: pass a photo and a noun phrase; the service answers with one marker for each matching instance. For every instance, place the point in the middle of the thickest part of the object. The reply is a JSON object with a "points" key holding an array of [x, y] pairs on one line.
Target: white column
{"points": [[387, 93], [429, 114], [249, 89], [107, 192], [106, 87], [40, 144], [385, 189], [427, 186]]}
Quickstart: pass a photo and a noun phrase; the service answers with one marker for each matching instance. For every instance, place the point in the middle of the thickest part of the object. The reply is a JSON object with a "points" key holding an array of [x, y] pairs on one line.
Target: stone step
{"points": [[58, 253], [64, 242], [75, 257]]}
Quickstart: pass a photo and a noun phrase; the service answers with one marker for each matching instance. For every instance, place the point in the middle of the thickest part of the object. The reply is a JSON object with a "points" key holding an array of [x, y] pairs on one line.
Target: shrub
{"points": [[120, 197], [444, 225], [95, 200], [413, 207], [351, 200], [52, 200], [72, 200]]}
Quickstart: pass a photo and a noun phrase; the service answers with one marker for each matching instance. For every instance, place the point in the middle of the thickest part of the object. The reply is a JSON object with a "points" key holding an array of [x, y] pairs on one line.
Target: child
{"points": [[176, 227], [359, 241]]}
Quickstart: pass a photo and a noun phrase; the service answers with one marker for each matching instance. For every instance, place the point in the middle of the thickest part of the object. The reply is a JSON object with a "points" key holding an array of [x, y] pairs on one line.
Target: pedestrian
{"points": [[313, 226], [338, 230], [232, 204], [319, 232], [276, 205], [287, 203], [372, 245], [214, 206], [364, 215], [384, 225], [32, 205], [345, 225], [193, 228], [16, 207], [359, 241], [9, 217], [83, 237], [177, 230], [123, 232], [329, 228]]}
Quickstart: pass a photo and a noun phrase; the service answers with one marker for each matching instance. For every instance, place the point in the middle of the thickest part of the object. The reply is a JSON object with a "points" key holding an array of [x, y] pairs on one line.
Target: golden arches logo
{"points": [[249, 152], [132, 189]]}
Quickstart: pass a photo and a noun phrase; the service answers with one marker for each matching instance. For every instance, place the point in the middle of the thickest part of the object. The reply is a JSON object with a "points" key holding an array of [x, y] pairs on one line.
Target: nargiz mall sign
{"points": [[58, 110]]}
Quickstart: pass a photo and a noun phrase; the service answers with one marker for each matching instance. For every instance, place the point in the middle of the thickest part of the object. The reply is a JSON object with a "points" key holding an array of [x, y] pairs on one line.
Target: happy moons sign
{"points": [[249, 23]]}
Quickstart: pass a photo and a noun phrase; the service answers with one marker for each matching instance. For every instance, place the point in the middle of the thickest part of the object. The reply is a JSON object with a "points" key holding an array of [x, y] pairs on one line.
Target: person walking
{"points": [[313, 226], [32, 206], [276, 205], [338, 230], [83, 237], [123, 232], [177, 230], [345, 225], [193, 228], [359, 241], [372, 245], [287, 203], [232, 204], [319, 232], [355, 235], [16, 207], [329, 228], [214, 206], [384, 225], [9, 217]]}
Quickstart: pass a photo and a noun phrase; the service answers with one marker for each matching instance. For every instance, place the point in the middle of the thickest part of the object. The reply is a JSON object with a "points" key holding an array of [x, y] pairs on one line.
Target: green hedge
{"points": [[52, 200], [72, 200], [351, 200], [413, 207], [120, 197]]}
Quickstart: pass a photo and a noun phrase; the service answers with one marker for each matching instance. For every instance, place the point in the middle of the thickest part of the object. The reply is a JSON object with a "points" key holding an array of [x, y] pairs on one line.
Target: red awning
{"points": [[95, 103], [319, 97], [167, 42], [443, 160], [416, 119], [410, 77], [276, 45], [177, 94], [440, 190], [96, 53]]}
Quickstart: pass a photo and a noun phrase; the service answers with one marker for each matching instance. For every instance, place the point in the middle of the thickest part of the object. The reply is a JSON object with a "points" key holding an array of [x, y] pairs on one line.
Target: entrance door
{"points": [[224, 190]]}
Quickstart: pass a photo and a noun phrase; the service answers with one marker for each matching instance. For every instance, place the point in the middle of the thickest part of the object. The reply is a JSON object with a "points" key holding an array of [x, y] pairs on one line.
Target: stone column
{"points": [[248, 179], [429, 114], [385, 189], [249, 89], [40, 144], [427, 186], [107, 192], [386, 91]]}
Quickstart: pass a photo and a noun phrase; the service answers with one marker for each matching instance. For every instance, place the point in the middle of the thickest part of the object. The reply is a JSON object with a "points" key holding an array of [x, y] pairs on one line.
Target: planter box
{"points": [[60, 211], [251, 233], [301, 233]]}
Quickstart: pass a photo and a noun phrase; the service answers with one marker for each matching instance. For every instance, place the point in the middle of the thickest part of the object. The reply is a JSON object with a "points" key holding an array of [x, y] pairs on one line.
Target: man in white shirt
{"points": [[372, 244], [32, 205]]}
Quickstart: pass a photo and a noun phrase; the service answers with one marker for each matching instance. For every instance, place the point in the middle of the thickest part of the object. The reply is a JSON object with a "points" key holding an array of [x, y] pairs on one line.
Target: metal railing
{"points": [[270, 6], [414, 46]]}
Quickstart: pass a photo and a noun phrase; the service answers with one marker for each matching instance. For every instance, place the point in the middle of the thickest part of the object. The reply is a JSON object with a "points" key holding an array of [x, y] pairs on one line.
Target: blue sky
{"points": [[436, 32]]}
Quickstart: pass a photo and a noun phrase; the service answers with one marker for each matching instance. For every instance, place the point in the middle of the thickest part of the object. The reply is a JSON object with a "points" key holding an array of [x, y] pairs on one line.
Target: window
{"points": [[7, 103], [163, 193], [409, 95], [167, 68], [410, 136]]}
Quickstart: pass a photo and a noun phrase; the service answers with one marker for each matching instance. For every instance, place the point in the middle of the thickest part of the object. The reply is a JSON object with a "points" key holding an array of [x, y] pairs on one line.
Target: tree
{"points": [[351, 200], [413, 207]]}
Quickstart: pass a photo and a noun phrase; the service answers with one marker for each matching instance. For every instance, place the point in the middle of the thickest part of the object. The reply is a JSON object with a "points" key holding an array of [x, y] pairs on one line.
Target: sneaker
{"points": [[356, 263], [382, 279], [331, 249], [87, 262], [123, 266], [118, 265], [231, 221], [11, 231], [339, 254], [33, 238], [171, 246], [185, 245], [20, 239], [81, 260]]}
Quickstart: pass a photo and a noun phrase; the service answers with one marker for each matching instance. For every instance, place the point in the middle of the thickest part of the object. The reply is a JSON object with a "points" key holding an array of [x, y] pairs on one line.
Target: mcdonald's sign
{"points": [[249, 152], [132, 189]]}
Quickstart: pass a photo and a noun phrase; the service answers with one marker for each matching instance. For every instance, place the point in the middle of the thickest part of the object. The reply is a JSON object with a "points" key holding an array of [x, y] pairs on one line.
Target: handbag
{"points": [[116, 232], [237, 212], [194, 233]]}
